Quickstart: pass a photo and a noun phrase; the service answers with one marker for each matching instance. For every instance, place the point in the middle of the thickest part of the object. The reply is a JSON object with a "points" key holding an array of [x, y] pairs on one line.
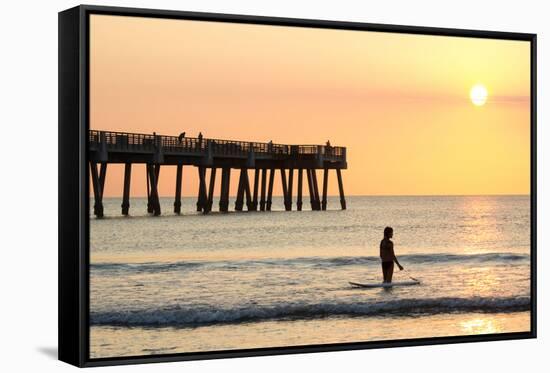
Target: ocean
{"points": [[194, 282]]}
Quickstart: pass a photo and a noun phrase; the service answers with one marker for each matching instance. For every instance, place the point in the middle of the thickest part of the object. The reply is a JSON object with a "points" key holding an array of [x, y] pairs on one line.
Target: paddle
{"points": [[412, 278]]}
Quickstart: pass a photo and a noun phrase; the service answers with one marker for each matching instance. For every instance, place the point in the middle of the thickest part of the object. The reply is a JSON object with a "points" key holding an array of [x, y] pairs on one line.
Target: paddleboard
{"points": [[385, 285]]}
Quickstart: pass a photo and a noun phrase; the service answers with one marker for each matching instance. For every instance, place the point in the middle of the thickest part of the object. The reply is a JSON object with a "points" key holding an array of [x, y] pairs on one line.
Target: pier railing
{"points": [[138, 142]]}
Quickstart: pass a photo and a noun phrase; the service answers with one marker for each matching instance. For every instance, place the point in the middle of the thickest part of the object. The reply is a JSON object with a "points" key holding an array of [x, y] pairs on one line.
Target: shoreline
{"points": [[109, 341]]}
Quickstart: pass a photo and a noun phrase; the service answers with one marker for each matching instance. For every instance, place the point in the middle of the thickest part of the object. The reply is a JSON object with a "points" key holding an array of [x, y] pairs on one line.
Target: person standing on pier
{"points": [[200, 140], [181, 139]]}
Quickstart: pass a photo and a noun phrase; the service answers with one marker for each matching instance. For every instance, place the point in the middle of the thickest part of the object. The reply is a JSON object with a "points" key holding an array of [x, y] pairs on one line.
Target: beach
{"points": [[194, 283]]}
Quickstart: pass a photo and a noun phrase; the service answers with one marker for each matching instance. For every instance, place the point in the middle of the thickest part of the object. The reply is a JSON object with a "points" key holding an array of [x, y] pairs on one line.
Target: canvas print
{"points": [[261, 186]]}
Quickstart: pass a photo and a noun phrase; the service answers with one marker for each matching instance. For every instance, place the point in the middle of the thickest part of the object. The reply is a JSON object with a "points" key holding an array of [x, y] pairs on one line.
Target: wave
{"points": [[432, 258], [155, 267], [187, 316]]}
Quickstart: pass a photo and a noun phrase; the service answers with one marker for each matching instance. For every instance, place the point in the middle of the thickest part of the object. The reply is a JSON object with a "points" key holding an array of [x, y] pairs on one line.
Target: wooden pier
{"points": [[208, 156]]}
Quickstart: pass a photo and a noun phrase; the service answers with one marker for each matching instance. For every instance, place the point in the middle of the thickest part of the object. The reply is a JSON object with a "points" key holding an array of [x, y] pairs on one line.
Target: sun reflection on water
{"points": [[479, 223], [479, 326]]}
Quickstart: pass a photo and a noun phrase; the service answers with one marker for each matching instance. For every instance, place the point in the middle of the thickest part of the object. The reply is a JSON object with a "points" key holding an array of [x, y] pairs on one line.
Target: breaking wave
{"points": [[310, 261], [185, 316]]}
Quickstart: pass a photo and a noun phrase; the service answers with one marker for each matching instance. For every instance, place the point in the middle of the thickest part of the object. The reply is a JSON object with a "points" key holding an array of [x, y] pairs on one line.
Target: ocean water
{"points": [[194, 283]]}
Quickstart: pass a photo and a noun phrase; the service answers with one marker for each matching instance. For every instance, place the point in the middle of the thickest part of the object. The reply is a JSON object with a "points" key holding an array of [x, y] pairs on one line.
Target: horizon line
{"points": [[366, 195]]}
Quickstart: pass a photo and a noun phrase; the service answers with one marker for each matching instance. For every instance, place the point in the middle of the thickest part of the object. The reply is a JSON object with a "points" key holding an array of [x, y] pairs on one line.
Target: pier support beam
{"points": [[97, 193], [149, 206], [316, 189], [256, 186], [285, 188], [268, 202], [325, 189], [341, 189], [156, 173], [210, 200], [102, 175], [153, 172], [310, 189], [239, 201], [288, 206], [177, 200], [247, 194], [263, 189], [126, 192], [299, 192], [224, 193], [201, 198], [98, 183]]}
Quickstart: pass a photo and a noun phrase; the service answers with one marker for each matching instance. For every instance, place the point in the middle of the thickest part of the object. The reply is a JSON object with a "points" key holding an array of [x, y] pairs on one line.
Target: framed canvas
{"points": [[235, 186]]}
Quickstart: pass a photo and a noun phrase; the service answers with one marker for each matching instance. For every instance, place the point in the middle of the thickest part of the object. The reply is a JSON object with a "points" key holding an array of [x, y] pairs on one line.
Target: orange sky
{"points": [[399, 103]]}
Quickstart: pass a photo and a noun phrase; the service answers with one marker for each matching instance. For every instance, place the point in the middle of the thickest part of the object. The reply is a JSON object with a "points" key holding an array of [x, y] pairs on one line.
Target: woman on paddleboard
{"points": [[387, 255]]}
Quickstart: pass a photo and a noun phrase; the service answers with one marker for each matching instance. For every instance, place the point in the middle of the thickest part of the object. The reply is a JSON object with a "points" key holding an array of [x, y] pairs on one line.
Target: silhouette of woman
{"points": [[388, 256]]}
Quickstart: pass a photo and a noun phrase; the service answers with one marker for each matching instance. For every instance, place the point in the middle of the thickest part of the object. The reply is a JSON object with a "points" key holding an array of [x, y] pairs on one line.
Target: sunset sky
{"points": [[399, 103]]}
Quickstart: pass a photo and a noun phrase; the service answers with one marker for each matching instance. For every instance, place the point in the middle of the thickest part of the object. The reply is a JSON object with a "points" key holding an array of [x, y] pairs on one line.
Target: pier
{"points": [[207, 157]]}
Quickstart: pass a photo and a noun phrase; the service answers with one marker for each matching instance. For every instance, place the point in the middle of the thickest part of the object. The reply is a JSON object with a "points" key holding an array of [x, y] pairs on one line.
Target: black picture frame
{"points": [[73, 249]]}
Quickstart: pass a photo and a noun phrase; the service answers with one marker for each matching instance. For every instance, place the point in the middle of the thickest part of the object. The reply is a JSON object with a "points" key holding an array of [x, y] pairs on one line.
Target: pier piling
{"points": [[263, 189], [341, 189], [154, 172], [288, 206], [299, 194], [125, 206], [179, 179], [201, 198], [224, 192], [316, 190], [247, 194], [269, 201], [285, 188], [96, 185], [211, 190], [256, 186], [149, 205], [325, 188], [239, 200], [310, 189]]}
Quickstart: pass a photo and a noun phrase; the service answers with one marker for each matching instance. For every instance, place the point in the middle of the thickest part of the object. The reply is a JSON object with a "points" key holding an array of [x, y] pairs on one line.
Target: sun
{"points": [[478, 94]]}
